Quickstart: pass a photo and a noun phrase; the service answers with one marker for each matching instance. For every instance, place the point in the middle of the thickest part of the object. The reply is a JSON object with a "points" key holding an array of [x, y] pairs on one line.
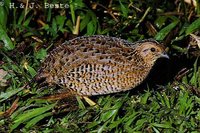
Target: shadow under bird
{"points": [[95, 65]]}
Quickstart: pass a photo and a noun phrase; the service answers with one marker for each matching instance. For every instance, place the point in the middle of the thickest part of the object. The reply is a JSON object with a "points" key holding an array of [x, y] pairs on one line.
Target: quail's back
{"points": [[98, 64]]}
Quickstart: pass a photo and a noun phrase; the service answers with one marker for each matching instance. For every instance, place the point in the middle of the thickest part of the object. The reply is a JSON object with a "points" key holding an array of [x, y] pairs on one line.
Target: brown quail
{"points": [[95, 65]]}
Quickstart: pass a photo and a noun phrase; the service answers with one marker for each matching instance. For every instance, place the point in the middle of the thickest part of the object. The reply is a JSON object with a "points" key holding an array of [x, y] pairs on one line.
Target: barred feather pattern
{"points": [[95, 65]]}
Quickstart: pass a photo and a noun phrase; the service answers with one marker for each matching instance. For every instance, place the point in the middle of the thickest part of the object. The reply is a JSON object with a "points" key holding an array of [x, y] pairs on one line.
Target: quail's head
{"points": [[150, 51]]}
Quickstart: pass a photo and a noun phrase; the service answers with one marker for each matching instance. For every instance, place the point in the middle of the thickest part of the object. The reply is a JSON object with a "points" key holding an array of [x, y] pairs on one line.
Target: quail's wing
{"points": [[83, 47], [92, 54], [97, 66]]}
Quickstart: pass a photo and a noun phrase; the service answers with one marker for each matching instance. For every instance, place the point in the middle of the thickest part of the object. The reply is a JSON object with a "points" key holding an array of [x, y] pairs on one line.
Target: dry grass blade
{"points": [[13, 107]]}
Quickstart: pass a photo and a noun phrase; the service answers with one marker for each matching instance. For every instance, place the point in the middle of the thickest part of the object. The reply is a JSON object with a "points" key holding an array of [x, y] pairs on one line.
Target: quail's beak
{"points": [[164, 55]]}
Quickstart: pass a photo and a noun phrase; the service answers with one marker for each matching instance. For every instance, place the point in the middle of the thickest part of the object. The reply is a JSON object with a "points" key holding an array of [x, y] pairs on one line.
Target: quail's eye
{"points": [[153, 49]]}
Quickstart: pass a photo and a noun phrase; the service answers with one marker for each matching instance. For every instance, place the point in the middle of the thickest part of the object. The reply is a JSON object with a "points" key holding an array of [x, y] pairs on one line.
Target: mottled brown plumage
{"points": [[99, 64]]}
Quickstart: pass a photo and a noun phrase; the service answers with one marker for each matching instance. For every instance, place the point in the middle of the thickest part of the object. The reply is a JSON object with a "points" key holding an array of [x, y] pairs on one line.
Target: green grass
{"points": [[26, 36]]}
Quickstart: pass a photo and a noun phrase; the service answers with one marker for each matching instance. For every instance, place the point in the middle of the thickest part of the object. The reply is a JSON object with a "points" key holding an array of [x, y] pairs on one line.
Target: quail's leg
{"points": [[89, 101]]}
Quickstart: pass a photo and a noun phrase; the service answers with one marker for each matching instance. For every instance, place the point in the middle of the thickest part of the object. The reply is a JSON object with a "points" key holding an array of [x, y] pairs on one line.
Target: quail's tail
{"points": [[38, 80]]}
